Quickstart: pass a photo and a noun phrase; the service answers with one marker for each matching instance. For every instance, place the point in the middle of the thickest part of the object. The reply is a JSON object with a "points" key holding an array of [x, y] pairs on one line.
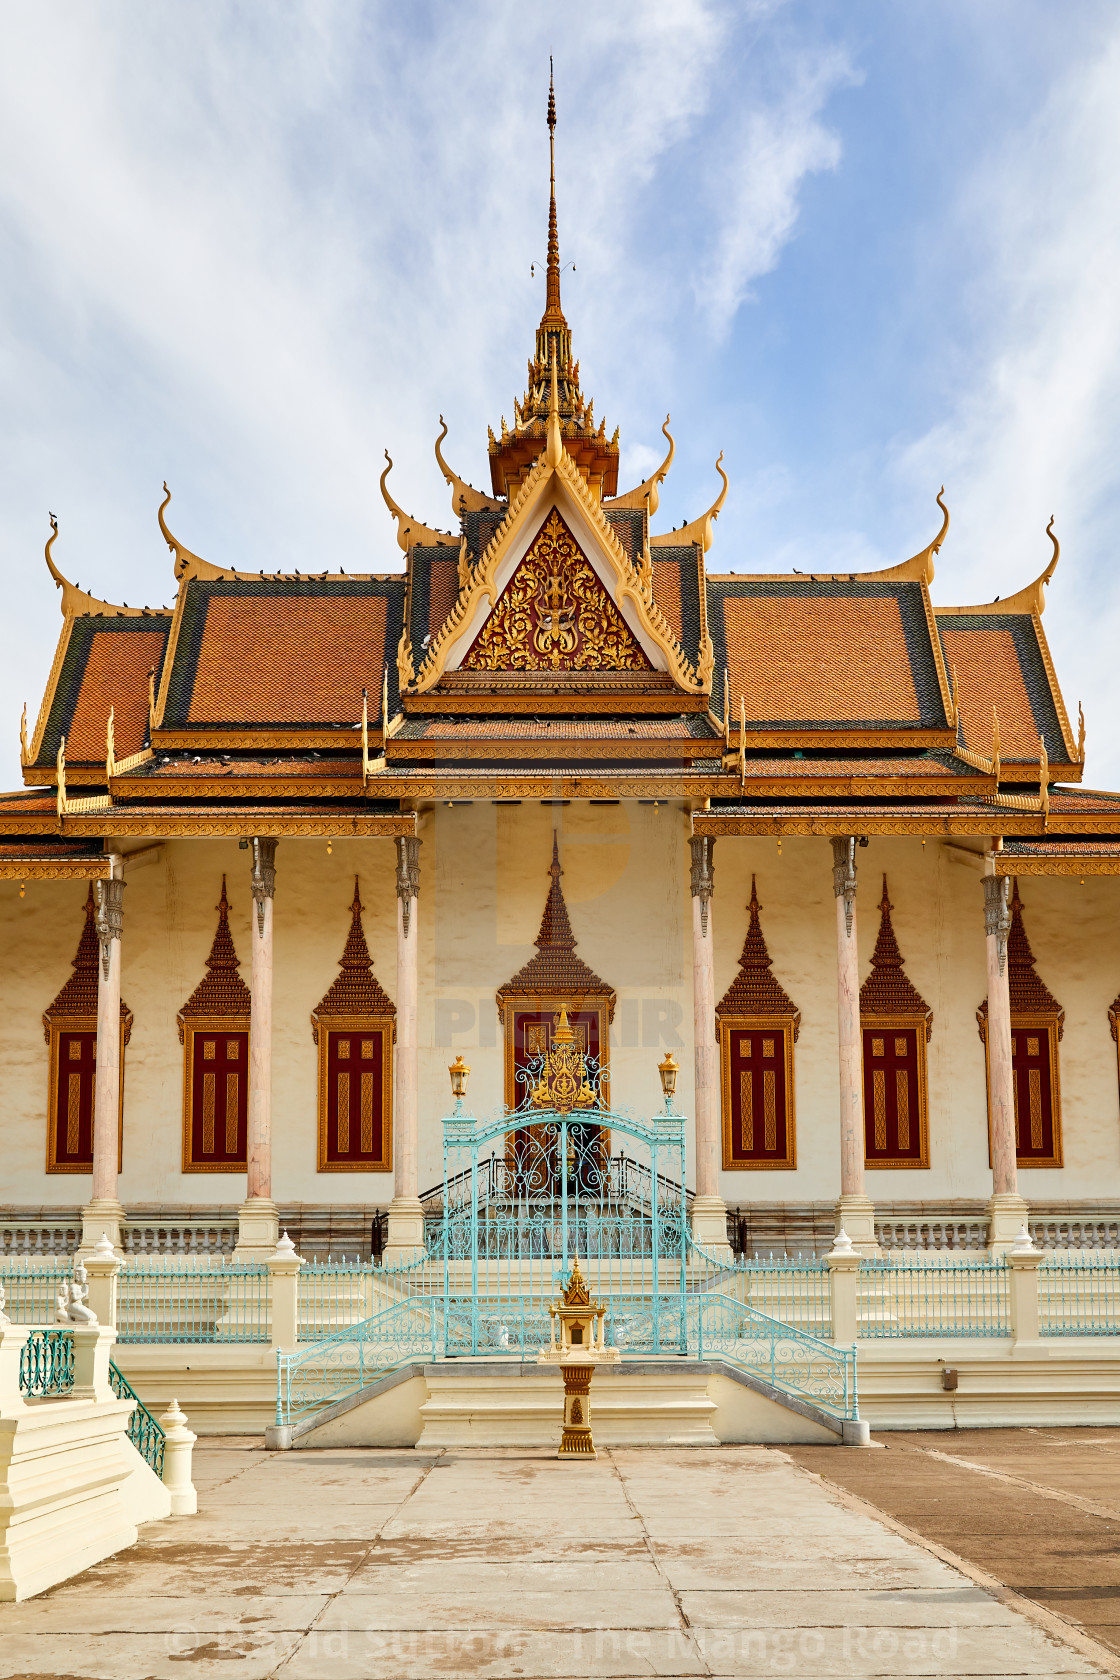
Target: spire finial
{"points": [[553, 313]]}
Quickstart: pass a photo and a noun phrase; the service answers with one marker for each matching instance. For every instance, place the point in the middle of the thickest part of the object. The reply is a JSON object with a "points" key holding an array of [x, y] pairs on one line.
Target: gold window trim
{"points": [[1051, 1026], [60, 1024], [787, 1027], [386, 1026], [207, 1024], [918, 1024]]}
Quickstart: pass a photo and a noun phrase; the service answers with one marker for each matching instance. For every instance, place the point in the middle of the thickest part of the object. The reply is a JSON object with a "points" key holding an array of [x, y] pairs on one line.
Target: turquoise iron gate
{"points": [[527, 1192]]}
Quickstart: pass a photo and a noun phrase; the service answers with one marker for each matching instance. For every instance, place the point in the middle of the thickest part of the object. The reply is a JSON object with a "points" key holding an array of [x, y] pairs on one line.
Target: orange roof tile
{"points": [[667, 593], [994, 662], [288, 658], [833, 660]]}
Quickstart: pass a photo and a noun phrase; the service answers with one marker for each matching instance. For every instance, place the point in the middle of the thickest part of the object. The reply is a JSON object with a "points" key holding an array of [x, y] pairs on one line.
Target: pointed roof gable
{"points": [[755, 990], [556, 971], [888, 991], [78, 997], [222, 992], [356, 991], [555, 484], [555, 615]]}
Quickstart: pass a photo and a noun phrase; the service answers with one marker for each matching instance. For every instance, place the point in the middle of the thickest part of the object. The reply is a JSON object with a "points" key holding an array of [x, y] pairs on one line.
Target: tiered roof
{"points": [[329, 703]]}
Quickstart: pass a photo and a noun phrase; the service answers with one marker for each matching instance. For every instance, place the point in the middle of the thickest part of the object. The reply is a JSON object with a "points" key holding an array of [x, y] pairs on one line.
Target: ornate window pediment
{"points": [[214, 1032], [70, 1029], [757, 1023], [354, 1026], [897, 1024]]}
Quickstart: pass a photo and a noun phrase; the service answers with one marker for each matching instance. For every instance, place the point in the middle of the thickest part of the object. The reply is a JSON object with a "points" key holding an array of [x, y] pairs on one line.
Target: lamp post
{"points": [[668, 1070], [460, 1073]]}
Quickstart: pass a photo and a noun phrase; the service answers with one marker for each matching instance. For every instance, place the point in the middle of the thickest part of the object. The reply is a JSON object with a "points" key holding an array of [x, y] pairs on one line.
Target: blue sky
{"points": [[864, 248]]}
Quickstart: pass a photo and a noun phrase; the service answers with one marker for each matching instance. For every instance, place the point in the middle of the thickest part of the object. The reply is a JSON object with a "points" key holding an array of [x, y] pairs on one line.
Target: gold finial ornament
{"points": [[110, 747], [1080, 733], [23, 736]]}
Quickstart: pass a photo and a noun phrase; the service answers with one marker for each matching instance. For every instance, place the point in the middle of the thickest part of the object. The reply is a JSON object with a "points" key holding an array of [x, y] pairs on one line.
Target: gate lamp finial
{"points": [[459, 1071], [668, 1070]]}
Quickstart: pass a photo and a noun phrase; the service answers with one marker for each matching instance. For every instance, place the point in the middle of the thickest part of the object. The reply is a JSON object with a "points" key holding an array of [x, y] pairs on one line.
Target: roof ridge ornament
{"points": [[410, 532], [646, 494], [1030, 599], [464, 497], [697, 530], [77, 601]]}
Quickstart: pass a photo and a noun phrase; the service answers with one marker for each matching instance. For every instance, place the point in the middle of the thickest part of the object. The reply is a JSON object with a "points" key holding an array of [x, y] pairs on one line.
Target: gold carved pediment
{"points": [[555, 615]]}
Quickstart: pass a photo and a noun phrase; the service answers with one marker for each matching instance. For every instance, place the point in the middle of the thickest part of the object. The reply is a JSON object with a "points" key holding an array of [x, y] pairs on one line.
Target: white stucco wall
{"points": [[483, 886]]}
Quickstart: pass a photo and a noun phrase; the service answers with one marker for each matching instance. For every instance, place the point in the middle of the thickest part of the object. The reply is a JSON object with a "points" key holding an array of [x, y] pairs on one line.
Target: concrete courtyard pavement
{"points": [[505, 1563]]}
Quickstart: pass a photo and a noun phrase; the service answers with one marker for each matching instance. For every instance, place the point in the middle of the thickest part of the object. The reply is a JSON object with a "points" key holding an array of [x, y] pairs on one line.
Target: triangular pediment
{"points": [[554, 614], [622, 629]]}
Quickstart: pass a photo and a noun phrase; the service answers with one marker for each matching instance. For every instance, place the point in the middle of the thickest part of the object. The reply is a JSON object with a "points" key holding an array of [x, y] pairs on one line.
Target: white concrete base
{"points": [[101, 1218], [856, 1215], [709, 1226], [1007, 1216], [405, 1239], [258, 1230]]}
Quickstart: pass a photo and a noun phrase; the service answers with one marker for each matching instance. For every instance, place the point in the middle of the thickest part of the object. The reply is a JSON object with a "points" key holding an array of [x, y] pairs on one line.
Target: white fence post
{"points": [[843, 1280], [283, 1272], [102, 1267], [178, 1445], [1024, 1260]]}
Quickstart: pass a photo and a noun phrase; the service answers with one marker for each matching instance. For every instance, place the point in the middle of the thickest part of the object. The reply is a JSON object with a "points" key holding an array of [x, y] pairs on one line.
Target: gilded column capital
{"points": [[262, 877], [997, 913], [109, 917], [702, 874], [408, 874], [844, 874]]}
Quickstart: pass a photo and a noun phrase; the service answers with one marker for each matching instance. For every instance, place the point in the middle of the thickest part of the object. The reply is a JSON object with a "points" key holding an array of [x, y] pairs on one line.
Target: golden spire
{"points": [[552, 309]]}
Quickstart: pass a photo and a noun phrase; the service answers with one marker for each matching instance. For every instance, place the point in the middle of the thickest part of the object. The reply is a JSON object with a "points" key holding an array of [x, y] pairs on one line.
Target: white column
{"points": [[1007, 1210], [855, 1212], [405, 1238], [258, 1220], [709, 1211], [103, 1214]]}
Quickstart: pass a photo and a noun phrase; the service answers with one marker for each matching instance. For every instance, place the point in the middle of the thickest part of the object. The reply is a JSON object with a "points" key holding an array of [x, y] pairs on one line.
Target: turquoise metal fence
{"points": [[144, 1430], [46, 1364], [961, 1297], [334, 1294], [345, 1361], [1079, 1295], [46, 1371], [789, 1359], [192, 1301], [32, 1284]]}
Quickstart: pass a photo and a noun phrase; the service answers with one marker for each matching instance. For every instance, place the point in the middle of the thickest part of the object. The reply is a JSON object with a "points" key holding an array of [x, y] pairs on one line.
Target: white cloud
{"points": [[1033, 403]]}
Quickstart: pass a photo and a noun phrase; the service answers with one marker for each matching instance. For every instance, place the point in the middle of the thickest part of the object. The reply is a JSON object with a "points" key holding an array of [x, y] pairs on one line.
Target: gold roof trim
{"points": [[631, 583], [646, 494], [464, 496], [698, 530], [1032, 599], [410, 532], [919, 568]]}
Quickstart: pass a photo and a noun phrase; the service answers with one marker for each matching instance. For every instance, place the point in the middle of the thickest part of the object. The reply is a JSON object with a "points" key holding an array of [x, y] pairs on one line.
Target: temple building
{"points": [[293, 843]]}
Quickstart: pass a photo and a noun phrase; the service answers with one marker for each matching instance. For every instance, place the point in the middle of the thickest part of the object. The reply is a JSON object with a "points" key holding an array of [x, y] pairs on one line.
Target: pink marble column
{"points": [[258, 1220], [103, 1214], [709, 1211], [1007, 1210], [855, 1212], [405, 1238]]}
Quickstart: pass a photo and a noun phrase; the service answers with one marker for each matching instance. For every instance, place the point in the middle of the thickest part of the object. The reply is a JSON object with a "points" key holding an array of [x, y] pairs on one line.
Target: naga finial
{"points": [[1049, 572]]}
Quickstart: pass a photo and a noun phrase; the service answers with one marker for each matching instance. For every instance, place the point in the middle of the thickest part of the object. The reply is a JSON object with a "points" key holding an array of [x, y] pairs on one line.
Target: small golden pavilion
{"points": [[290, 843]]}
